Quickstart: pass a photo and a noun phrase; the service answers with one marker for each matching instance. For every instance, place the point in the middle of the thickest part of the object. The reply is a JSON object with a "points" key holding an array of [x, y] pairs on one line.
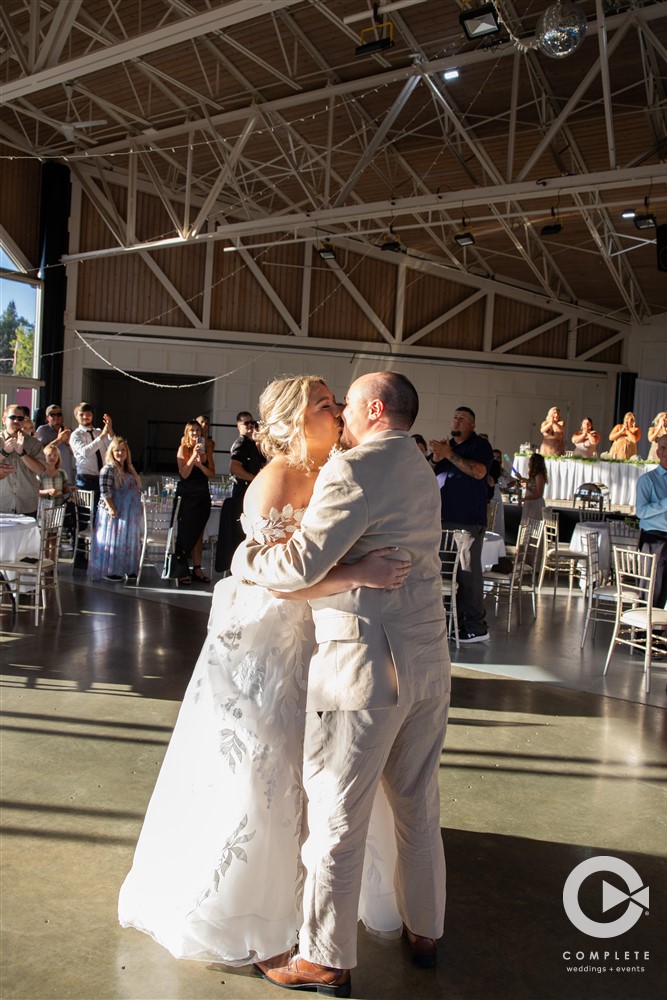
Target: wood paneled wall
{"points": [[19, 202]]}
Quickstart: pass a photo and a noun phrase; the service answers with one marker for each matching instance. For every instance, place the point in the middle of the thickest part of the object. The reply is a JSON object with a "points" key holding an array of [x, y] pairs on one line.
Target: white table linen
{"points": [[579, 544], [19, 538], [493, 547], [566, 475]]}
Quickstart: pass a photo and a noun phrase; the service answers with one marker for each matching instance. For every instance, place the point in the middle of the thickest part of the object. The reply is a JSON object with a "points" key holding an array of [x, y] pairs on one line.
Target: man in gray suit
{"points": [[378, 688]]}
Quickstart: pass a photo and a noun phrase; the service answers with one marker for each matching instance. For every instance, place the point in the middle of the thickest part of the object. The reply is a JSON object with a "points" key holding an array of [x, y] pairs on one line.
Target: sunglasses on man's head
{"points": [[54, 414], [16, 416]]}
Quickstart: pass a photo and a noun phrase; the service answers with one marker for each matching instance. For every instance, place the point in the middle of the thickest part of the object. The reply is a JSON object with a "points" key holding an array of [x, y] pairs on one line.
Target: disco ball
{"points": [[560, 30]]}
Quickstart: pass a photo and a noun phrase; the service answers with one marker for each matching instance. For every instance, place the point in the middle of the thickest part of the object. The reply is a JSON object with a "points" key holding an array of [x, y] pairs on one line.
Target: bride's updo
{"points": [[282, 409]]}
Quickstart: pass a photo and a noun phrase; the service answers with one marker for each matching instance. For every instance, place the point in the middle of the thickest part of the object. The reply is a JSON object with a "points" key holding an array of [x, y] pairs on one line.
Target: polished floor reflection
{"points": [[546, 764]]}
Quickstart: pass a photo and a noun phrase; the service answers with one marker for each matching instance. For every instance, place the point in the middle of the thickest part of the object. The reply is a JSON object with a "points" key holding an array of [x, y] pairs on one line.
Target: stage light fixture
{"points": [[478, 22], [376, 44], [465, 239], [629, 213], [392, 242], [326, 251], [551, 229], [450, 74], [645, 221]]}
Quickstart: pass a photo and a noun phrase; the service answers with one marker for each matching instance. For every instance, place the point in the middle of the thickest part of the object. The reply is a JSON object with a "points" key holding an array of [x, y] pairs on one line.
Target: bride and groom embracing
{"points": [[313, 724]]}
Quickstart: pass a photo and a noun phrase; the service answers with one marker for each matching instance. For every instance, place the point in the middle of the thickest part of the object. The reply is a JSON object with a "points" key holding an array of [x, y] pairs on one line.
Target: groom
{"points": [[378, 689]]}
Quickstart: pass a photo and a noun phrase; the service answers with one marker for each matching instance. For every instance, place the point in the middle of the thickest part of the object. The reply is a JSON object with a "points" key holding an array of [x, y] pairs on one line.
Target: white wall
{"points": [[647, 351], [509, 403]]}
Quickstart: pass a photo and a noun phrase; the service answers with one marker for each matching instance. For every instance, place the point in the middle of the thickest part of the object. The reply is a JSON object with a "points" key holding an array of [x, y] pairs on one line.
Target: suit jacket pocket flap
{"points": [[334, 626]]}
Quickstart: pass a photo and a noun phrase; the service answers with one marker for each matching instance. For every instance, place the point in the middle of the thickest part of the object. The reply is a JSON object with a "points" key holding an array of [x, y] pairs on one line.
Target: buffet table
{"points": [[567, 474]]}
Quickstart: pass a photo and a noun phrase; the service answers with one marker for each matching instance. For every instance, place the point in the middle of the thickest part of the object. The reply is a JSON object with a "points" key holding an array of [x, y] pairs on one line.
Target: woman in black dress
{"points": [[195, 466]]}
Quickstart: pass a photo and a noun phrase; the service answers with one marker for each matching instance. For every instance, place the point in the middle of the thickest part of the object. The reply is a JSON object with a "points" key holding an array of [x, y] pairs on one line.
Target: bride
{"points": [[217, 874]]}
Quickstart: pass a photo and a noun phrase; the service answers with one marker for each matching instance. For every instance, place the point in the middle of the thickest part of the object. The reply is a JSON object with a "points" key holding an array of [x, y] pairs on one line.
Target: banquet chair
{"points": [[533, 557], [637, 624], [522, 578], [555, 554], [600, 596], [160, 517], [84, 513], [508, 586], [450, 556], [41, 574], [492, 514], [591, 514], [624, 535]]}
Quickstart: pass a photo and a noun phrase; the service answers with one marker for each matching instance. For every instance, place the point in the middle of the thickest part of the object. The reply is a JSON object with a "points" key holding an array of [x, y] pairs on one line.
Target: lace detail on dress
{"points": [[277, 527]]}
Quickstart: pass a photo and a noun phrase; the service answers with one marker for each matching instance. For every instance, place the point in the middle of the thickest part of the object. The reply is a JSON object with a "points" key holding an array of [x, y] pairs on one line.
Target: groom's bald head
{"points": [[379, 401], [397, 394]]}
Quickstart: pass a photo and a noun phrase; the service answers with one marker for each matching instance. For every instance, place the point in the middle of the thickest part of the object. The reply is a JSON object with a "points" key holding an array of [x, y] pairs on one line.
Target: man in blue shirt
{"points": [[462, 466], [652, 514]]}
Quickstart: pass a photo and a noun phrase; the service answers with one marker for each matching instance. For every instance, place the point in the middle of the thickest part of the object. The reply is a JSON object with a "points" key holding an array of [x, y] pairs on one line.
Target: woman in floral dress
{"points": [[116, 543]]}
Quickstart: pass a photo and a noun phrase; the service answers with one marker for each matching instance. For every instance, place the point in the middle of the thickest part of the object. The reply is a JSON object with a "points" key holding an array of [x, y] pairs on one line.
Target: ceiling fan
{"points": [[70, 124]]}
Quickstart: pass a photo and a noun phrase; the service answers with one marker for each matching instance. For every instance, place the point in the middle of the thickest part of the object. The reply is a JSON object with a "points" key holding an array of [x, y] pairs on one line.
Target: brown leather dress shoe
{"points": [[300, 974], [423, 950], [275, 962]]}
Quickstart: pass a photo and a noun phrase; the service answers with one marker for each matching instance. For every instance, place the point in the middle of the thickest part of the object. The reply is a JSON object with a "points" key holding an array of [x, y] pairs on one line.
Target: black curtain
{"points": [[53, 243], [625, 395]]}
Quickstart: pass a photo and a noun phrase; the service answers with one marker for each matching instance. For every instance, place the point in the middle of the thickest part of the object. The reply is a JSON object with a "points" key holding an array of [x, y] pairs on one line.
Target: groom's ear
{"points": [[375, 409]]}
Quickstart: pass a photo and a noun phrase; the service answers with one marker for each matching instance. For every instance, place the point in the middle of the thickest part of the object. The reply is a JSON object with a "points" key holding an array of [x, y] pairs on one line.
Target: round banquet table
{"points": [[566, 475], [493, 548], [601, 529], [19, 537]]}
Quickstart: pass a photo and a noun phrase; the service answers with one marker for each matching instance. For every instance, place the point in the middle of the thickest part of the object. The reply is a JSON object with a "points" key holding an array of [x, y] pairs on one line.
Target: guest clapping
{"points": [[657, 430], [18, 484], [195, 466], [552, 430], [116, 543], [586, 440], [625, 437]]}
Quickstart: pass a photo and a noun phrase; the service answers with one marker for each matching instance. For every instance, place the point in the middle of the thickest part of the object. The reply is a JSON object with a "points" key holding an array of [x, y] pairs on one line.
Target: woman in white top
{"points": [[586, 440]]}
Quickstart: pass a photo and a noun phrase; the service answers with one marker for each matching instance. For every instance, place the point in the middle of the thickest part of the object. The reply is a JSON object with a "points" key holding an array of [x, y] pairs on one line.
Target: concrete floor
{"points": [[546, 763]]}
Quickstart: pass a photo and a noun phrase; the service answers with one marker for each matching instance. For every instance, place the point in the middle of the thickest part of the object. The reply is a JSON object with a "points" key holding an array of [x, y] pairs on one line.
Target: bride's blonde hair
{"points": [[282, 409]]}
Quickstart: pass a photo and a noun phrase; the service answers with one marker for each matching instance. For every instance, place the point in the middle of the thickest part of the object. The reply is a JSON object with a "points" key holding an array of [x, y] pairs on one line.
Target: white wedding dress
{"points": [[217, 874]]}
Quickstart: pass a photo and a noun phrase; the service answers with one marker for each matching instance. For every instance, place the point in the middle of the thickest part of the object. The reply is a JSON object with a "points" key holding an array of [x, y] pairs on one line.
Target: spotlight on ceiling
{"points": [[376, 44], [450, 74], [645, 221], [552, 229], [478, 22], [465, 239], [629, 213], [392, 242], [326, 251]]}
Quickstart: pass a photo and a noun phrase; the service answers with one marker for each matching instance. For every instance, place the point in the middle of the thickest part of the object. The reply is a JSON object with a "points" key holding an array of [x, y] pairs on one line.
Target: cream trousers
{"points": [[346, 755]]}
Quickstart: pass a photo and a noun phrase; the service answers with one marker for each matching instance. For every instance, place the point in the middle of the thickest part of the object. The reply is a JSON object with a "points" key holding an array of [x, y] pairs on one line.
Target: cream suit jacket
{"points": [[375, 648]]}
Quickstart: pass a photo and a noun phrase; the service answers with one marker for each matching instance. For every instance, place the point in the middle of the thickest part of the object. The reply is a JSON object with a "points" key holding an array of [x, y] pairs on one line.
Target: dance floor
{"points": [[546, 763]]}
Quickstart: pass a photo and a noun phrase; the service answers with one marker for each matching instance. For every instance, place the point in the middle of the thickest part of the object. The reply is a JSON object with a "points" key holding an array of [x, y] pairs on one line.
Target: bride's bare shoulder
{"points": [[276, 486]]}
